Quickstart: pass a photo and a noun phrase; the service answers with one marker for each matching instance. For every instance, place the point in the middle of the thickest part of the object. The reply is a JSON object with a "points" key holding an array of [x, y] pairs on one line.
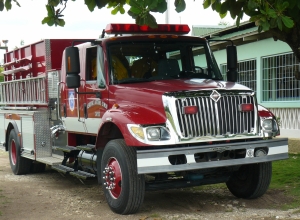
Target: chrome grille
{"points": [[215, 118]]}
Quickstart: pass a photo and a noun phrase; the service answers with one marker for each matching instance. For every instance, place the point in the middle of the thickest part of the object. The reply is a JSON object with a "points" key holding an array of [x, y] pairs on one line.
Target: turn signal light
{"points": [[188, 110], [246, 107]]}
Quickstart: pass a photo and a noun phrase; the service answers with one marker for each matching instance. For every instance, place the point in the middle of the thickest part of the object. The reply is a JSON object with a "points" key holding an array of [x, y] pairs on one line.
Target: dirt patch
{"points": [[49, 195]]}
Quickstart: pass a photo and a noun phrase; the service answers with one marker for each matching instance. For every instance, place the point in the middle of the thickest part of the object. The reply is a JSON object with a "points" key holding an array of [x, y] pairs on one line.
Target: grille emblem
{"points": [[215, 95]]}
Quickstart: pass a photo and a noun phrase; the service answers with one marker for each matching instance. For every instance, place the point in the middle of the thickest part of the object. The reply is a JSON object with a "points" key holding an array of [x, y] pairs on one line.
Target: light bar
{"points": [[137, 29]]}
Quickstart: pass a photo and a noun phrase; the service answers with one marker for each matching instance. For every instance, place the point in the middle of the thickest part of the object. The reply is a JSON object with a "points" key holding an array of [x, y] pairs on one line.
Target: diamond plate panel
{"points": [[48, 54], [53, 79], [42, 134]]}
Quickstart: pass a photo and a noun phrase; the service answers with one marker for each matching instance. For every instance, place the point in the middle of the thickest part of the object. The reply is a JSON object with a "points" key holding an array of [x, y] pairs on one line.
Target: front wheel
{"points": [[250, 181], [19, 165], [124, 189]]}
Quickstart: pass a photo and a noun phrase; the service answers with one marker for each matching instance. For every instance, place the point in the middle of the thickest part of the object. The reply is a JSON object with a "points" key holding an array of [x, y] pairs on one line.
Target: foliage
{"points": [[280, 17], [267, 14]]}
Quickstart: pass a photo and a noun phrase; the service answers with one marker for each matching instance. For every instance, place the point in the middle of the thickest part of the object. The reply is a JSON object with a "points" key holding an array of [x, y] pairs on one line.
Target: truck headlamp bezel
{"points": [[269, 127], [149, 134]]}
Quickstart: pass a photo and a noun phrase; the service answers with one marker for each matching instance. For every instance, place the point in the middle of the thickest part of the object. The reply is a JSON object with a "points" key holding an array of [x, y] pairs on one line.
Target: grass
{"points": [[286, 177]]}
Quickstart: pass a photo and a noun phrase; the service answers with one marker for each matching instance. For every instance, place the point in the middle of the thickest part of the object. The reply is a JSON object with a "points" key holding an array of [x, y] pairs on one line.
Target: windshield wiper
{"points": [[132, 80]]}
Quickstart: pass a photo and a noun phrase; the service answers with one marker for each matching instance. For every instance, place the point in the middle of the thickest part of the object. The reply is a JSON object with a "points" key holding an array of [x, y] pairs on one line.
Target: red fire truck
{"points": [[139, 109]]}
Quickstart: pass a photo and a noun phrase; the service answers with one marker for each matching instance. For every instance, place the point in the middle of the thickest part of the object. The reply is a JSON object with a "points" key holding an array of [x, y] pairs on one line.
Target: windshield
{"points": [[161, 60]]}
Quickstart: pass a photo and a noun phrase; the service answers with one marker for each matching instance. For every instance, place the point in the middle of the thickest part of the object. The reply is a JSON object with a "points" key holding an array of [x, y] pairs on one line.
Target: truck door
{"points": [[96, 96]]}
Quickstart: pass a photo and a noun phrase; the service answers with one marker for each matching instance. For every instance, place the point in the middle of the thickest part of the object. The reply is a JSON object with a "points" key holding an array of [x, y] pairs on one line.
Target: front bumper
{"points": [[160, 160]]}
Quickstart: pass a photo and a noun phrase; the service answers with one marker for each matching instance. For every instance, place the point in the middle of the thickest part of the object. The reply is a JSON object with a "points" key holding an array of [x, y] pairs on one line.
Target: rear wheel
{"points": [[250, 181], [124, 189], [18, 164]]}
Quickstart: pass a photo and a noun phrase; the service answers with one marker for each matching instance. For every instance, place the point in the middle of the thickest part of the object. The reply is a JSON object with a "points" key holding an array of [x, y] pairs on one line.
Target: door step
{"points": [[62, 169], [68, 170], [67, 149], [82, 175], [88, 147]]}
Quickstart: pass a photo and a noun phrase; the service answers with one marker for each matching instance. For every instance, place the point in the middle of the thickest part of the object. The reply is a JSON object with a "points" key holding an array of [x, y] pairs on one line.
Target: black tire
{"points": [[19, 165], [128, 194], [250, 181]]}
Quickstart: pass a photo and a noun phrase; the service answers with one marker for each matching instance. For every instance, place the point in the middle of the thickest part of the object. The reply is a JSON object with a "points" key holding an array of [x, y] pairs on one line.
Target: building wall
{"points": [[288, 111]]}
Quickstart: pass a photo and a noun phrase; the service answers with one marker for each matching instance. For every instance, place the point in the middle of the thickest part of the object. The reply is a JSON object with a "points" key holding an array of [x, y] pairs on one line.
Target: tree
{"points": [[279, 17]]}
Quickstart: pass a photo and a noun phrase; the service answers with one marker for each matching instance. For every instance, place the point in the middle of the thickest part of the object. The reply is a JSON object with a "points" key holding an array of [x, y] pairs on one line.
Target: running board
{"points": [[68, 170]]}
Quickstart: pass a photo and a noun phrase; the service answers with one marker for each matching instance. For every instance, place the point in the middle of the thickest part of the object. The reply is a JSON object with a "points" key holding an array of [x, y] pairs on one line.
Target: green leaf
{"points": [[8, 4], [284, 5], [122, 10], [271, 13], [206, 4], [298, 4], [53, 3], [146, 19], [223, 15], [50, 11], [265, 26], [161, 7], [224, 8], [238, 20], [136, 4], [273, 23], [50, 22], [61, 22], [263, 12], [91, 4], [260, 29], [115, 10], [287, 21], [279, 23], [101, 3], [216, 6], [180, 5], [252, 5], [135, 10], [151, 21], [151, 4], [46, 20], [1, 6]]}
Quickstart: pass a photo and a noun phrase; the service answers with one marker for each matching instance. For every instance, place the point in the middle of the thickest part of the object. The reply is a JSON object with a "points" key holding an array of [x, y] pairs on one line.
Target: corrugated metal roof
{"points": [[234, 34], [199, 31]]}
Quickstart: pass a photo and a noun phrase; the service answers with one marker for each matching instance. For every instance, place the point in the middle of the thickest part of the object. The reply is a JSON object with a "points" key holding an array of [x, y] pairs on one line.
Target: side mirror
{"points": [[72, 67], [232, 73]]}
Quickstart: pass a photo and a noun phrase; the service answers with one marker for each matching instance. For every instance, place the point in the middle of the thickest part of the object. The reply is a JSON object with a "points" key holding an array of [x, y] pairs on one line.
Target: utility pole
{"points": [[167, 17], [5, 43]]}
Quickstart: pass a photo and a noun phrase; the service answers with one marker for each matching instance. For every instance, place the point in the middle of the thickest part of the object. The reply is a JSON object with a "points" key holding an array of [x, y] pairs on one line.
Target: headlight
{"points": [[151, 133], [157, 133], [269, 127], [267, 124]]}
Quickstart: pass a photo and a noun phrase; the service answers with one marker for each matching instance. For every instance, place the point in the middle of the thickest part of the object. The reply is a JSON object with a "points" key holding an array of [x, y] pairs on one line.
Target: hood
{"points": [[148, 95]]}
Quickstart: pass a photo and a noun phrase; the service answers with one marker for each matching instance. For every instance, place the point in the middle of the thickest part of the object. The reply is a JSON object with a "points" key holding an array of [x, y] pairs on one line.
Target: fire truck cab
{"points": [[143, 109]]}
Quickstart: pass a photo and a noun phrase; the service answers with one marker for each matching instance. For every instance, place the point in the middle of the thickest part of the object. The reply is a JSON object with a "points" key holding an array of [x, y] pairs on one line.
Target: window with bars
{"points": [[279, 83], [247, 73]]}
